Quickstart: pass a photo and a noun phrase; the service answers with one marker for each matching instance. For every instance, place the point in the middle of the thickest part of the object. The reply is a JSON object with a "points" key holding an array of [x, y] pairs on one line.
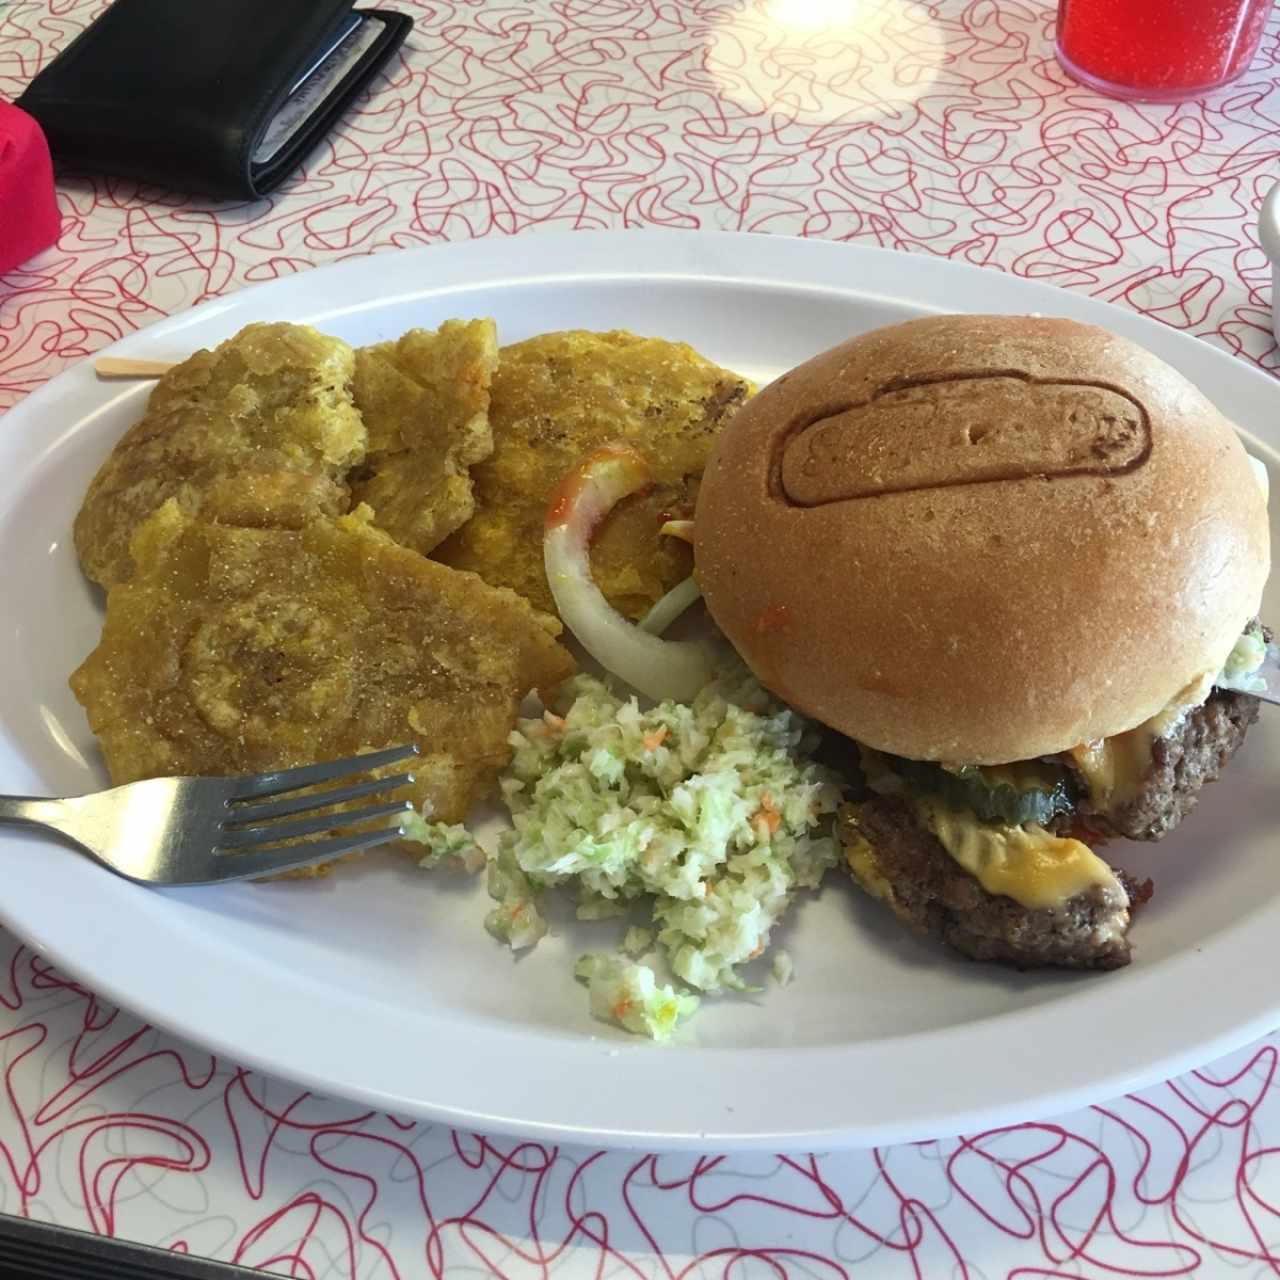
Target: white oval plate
{"points": [[380, 984]]}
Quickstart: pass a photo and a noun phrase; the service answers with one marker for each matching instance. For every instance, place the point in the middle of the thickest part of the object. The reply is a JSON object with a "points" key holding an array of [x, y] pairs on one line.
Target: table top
{"points": [[944, 128]]}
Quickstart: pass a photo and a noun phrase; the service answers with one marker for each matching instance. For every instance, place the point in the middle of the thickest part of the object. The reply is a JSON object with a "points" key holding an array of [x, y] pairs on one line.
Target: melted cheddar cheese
{"points": [[862, 861], [1028, 864], [1115, 767]]}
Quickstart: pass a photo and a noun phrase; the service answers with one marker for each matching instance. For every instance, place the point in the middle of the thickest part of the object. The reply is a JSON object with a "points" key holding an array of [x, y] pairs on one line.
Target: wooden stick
{"points": [[122, 367]]}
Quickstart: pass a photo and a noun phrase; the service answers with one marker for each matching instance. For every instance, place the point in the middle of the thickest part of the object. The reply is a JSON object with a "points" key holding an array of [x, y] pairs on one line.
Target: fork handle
{"points": [[33, 811]]}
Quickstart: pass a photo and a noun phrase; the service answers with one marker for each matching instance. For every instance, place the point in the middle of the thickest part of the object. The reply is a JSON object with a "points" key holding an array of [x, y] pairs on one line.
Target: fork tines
{"points": [[250, 824], [272, 784]]}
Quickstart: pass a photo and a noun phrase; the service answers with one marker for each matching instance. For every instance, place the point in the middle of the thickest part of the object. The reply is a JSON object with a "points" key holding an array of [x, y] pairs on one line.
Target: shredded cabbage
{"points": [[516, 919], [636, 941], [627, 993], [1239, 672], [445, 842], [713, 812]]}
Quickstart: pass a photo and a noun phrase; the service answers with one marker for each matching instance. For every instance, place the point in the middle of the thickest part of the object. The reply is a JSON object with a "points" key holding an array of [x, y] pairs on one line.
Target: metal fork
{"points": [[206, 830]]}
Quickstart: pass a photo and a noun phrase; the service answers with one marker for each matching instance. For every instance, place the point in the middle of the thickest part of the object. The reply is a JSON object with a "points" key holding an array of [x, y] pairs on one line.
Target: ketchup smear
{"points": [[1158, 49]]}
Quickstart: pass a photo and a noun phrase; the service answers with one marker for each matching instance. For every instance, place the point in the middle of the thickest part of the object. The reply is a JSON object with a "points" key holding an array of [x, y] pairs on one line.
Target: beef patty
{"points": [[1192, 755], [898, 860], [894, 857]]}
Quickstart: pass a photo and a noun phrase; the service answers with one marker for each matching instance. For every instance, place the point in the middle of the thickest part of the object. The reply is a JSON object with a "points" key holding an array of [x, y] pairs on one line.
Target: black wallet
{"points": [[221, 97]]}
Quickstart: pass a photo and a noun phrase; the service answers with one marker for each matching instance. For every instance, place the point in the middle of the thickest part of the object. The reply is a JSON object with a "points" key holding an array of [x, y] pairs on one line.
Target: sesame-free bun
{"points": [[979, 539]]}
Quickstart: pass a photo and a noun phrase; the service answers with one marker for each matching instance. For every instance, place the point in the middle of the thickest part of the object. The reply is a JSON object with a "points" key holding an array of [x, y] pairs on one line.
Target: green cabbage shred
{"points": [[1239, 672], [444, 841], [622, 991]]}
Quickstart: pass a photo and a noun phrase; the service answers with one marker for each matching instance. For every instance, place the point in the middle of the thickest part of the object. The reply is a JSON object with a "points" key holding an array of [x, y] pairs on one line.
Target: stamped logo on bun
{"points": [[963, 429]]}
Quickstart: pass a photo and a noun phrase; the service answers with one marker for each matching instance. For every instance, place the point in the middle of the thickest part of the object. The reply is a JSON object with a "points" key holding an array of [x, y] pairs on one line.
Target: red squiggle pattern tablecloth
{"points": [[941, 128]]}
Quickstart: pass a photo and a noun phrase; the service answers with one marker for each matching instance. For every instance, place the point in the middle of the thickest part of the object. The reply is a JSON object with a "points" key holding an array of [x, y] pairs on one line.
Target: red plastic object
{"points": [[29, 218], [1158, 50]]}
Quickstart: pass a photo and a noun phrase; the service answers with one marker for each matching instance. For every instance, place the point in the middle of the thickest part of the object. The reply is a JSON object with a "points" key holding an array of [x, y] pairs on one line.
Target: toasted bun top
{"points": [[979, 539]]}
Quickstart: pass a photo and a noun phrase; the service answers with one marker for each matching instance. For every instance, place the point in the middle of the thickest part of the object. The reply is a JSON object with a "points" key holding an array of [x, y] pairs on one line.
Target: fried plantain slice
{"points": [[557, 396], [260, 431], [235, 650], [425, 404]]}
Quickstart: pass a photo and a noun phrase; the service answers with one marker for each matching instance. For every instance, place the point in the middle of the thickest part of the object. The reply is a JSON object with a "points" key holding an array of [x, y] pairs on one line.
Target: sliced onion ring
{"points": [[679, 529], [671, 606], [657, 668]]}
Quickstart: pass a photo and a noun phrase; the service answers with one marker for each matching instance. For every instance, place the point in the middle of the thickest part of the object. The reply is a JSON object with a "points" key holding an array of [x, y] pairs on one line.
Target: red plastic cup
{"points": [[28, 205], [1158, 50]]}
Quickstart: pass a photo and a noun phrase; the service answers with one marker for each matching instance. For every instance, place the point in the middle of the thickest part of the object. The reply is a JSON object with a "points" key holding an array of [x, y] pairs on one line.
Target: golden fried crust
{"points": [[234, 650], [557, 396], [260, 431], [425, 403]]}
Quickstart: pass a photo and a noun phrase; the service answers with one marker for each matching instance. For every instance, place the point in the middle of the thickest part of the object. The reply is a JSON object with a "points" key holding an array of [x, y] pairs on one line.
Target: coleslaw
{"points": [[711, 814]]}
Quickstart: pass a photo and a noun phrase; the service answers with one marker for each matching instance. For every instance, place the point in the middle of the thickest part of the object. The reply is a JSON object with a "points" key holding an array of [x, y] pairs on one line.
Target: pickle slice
{"points": [[1015, 794]]}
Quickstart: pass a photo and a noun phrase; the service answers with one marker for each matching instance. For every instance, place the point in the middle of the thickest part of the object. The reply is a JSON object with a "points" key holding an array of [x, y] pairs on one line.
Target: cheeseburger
{"points": [[1018, 562]]}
